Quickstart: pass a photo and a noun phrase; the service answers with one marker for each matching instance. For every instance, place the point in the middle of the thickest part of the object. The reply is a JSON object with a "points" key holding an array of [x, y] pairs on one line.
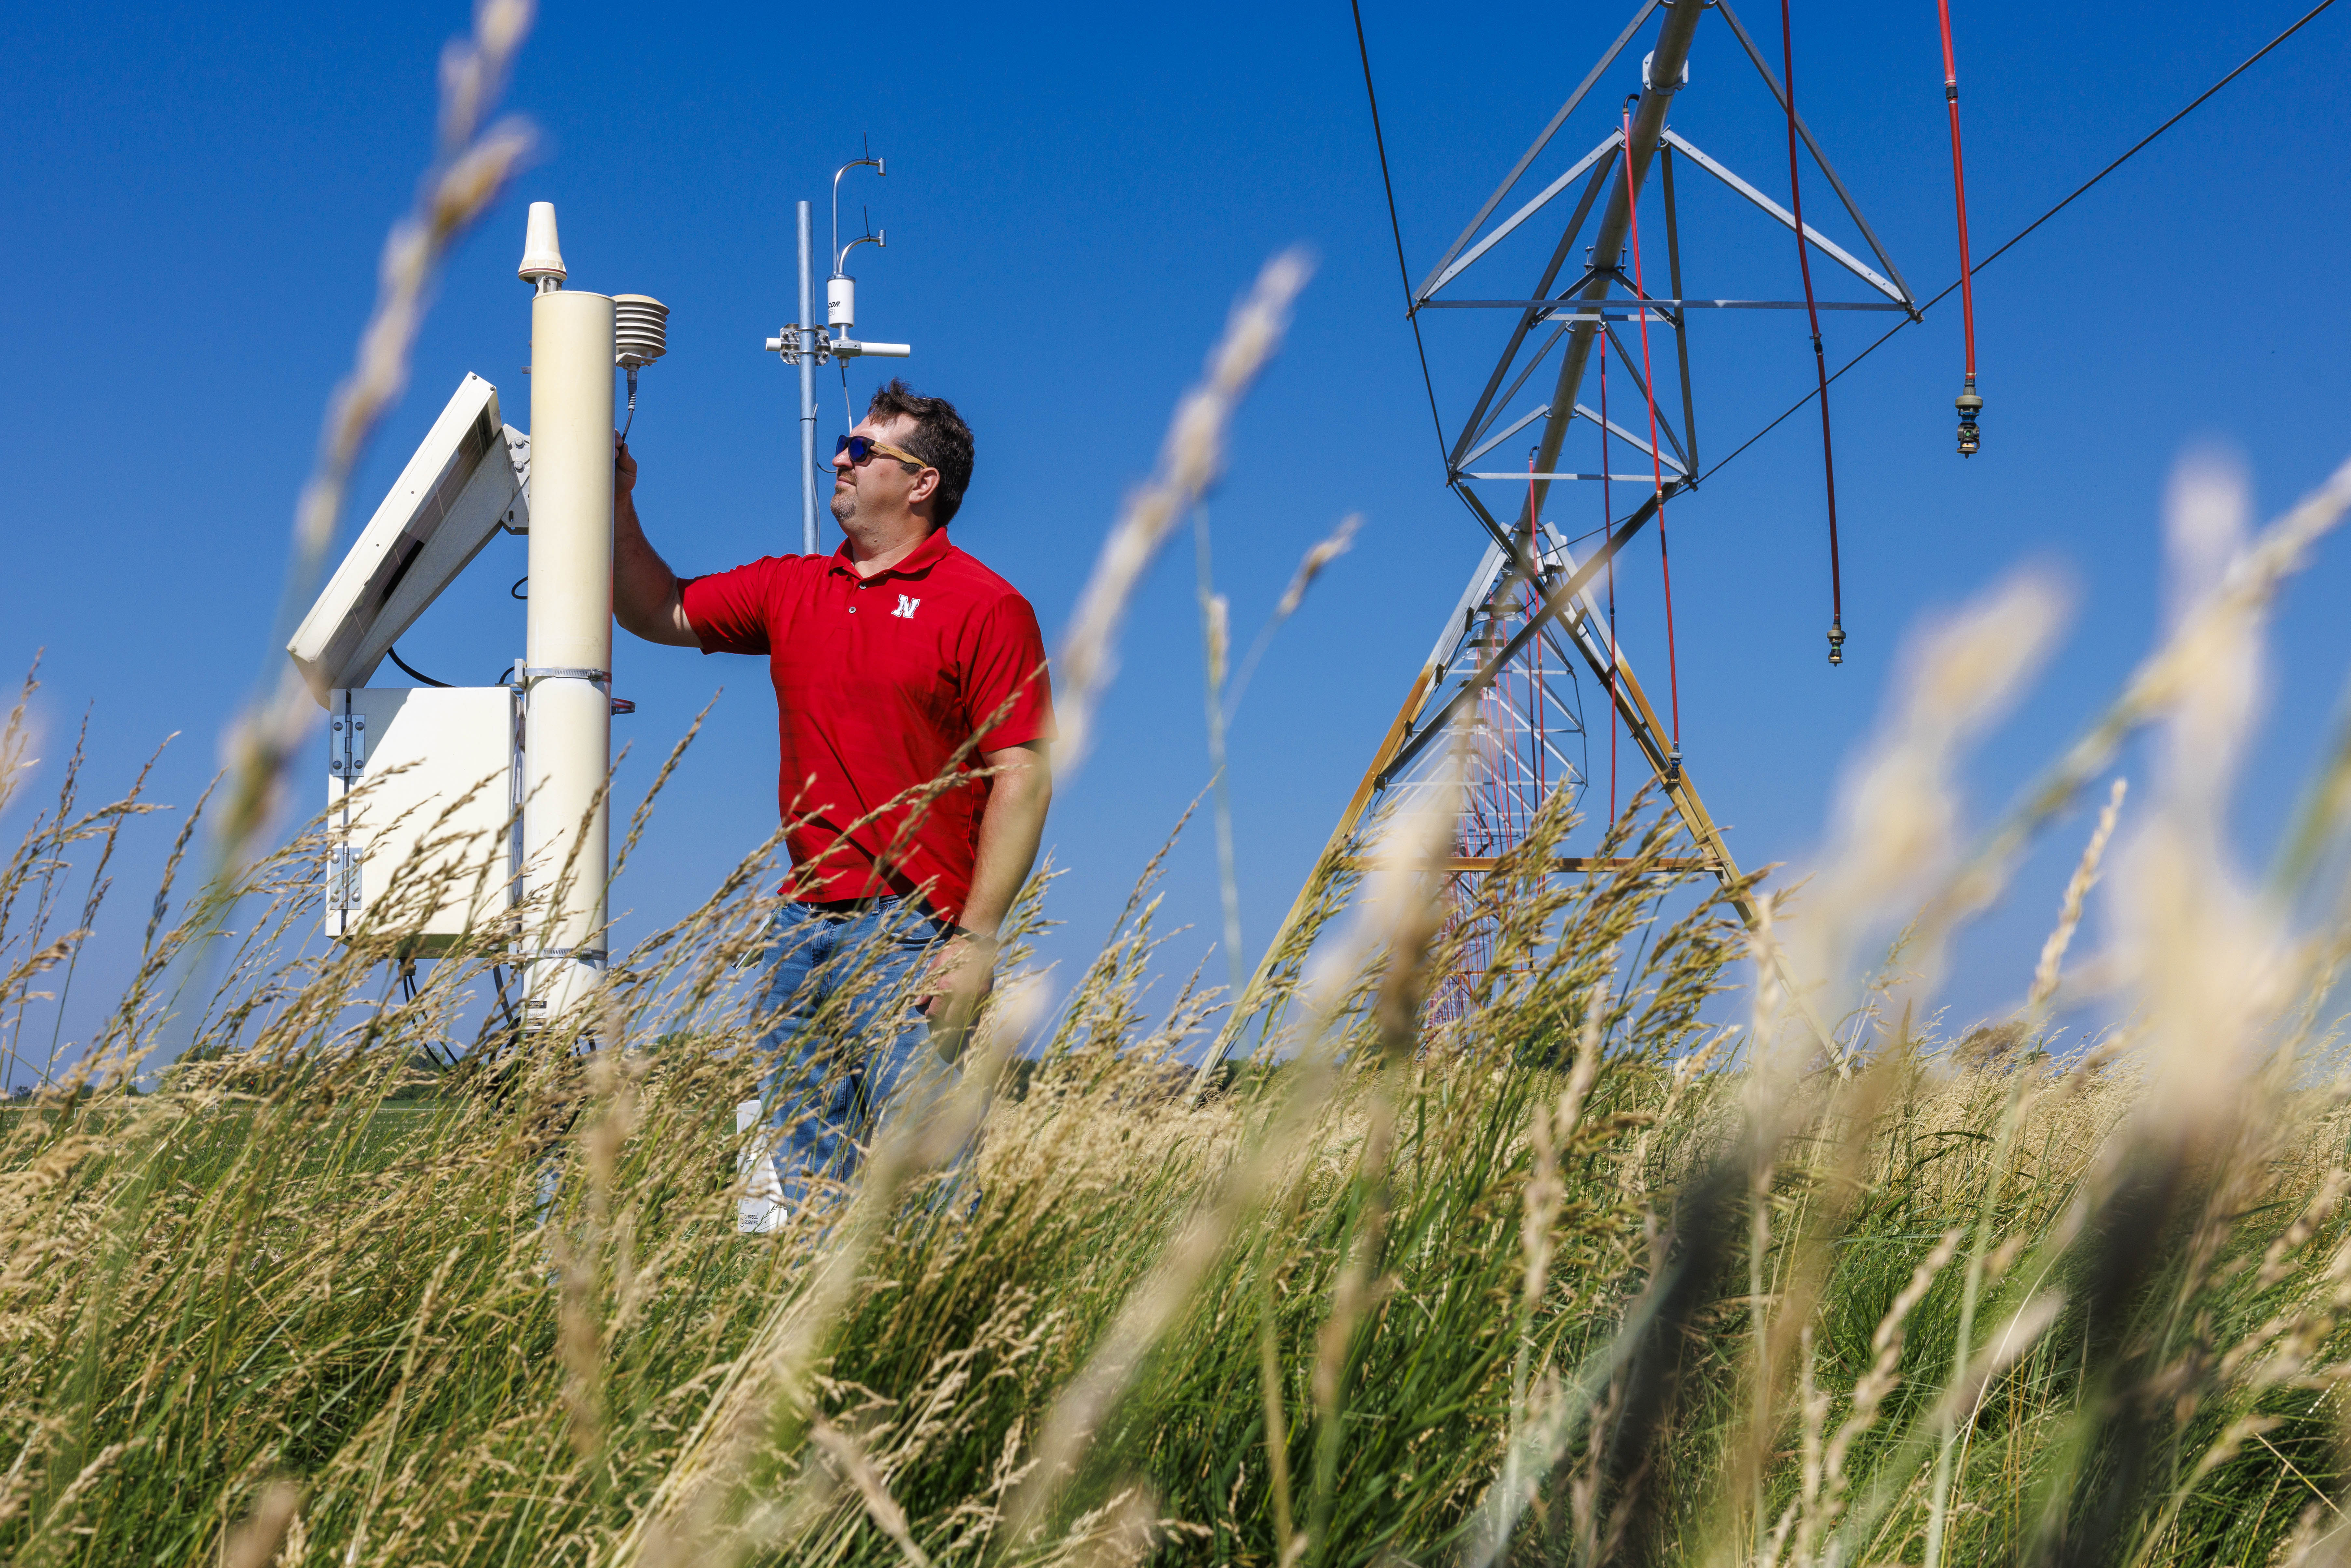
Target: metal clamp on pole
{"points": [[531, 677], [532, 674]]}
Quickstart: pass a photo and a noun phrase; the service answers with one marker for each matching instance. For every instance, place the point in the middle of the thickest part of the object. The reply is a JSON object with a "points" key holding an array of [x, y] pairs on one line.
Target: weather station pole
{"points": [[804, 344], [567, 675], [807, 357]]}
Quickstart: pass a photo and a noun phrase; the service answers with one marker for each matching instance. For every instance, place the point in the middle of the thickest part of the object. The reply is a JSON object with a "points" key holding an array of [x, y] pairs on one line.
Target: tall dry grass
{"points": [[1580, 1276], [1576, 1276], [1472, 1294]]}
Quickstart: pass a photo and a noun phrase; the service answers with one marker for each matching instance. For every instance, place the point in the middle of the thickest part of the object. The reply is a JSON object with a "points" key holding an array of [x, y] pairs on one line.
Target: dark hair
{"points": [[940, 438]]}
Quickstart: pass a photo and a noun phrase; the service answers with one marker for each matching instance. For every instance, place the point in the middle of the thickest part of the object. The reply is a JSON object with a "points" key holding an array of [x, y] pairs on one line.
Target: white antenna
{"points": [[542, 256]]}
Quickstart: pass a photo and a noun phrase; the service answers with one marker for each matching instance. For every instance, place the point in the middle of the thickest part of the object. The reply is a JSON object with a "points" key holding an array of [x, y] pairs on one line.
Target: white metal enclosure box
{"points": [[420, 801]]}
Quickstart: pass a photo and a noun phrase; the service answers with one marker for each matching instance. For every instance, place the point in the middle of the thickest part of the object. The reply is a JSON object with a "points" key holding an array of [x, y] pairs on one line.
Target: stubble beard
{"points": [[845, 506]]}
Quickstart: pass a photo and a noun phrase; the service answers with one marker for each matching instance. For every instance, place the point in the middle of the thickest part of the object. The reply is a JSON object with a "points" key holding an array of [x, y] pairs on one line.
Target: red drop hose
{"points": [[1608, 522], [1657, 470], [1969, 404]]}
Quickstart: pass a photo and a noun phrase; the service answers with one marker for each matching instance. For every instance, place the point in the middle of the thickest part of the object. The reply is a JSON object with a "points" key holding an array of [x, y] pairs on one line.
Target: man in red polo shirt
{"points": [[914, 716]]}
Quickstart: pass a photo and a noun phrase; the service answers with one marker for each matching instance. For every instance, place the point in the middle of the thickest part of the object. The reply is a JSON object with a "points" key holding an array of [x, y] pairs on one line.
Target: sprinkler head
{"points": [[1672, 766], [1837, 641], [1969, 405]]}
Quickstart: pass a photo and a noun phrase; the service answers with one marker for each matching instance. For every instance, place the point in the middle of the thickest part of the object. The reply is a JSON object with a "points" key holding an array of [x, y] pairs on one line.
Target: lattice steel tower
{"points": [[1532, 636]]}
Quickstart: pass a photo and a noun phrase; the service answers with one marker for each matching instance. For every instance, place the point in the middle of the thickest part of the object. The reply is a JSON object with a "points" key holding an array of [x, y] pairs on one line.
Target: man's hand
{"points": [[961, 972], [1010, 826], [645, 593]]}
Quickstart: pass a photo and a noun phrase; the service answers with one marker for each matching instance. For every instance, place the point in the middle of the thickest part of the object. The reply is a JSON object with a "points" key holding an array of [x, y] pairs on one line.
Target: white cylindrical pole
{"points": [[808, 399], [568, 715]]}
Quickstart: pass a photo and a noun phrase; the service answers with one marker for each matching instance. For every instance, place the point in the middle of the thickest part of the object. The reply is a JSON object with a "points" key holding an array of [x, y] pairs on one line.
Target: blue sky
{"points": [[198, 197]]}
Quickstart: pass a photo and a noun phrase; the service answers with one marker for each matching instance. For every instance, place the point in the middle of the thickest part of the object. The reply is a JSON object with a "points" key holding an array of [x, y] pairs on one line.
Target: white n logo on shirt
{"points": [[905, 611]]}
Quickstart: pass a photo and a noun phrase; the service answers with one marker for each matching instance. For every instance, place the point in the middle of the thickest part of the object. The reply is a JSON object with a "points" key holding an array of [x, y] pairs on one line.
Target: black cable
{"points": [[498, 979], [517, 592], [393, 653], [2194, 104], [408, 995], [2137, 147], [1411, 312], [1820, 357]]}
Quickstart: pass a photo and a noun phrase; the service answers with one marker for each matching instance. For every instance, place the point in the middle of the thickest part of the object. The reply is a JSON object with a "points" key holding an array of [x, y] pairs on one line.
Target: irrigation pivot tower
{"points": [[1533, 631]]}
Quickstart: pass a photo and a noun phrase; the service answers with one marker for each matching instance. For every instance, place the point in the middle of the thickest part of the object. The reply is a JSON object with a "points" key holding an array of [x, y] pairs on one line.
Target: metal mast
{"points": [[803, 343]]}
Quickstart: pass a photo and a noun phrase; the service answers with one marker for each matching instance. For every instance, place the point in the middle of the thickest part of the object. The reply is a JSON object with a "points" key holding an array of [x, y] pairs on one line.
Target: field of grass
{"points": [[1573, 1277], [1578, 1274]]}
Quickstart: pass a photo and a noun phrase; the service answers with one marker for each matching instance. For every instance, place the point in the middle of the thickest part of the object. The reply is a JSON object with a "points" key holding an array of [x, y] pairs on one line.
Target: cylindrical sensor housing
{"points": [[568, 715], [841, 302]]}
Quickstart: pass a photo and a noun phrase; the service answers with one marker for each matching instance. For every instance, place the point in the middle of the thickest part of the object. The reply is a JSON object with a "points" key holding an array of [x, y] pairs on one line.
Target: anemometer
{"points": [[806, 345]]}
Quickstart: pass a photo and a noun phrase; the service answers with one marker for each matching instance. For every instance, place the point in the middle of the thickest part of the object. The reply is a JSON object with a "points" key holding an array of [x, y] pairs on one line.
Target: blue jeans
{"points": [[844, 1049]]}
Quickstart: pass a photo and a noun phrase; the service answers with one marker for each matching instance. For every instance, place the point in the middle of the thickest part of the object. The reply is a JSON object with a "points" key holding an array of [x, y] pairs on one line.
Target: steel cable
{"points": [[1410, 311], [2137, 147], [1820, 357]]}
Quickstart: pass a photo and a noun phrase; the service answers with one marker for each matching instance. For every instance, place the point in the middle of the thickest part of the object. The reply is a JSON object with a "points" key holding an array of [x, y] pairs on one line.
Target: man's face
{"points": [[880, 487]]}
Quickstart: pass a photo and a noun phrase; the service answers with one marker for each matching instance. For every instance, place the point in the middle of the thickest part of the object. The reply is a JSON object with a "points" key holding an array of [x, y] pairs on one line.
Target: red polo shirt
{"points": [[879, 680]]}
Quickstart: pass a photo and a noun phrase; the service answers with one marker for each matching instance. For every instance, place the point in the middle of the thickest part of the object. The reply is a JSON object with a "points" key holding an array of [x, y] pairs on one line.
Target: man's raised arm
{"points": [[646, 598]]}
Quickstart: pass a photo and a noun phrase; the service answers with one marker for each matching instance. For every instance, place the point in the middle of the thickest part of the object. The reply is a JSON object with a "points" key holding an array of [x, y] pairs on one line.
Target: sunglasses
{"points": [[861, 449]]}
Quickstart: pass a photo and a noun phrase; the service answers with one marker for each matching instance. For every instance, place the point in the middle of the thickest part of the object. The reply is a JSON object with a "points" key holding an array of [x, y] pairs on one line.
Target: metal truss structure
{"points": [[1511, 663]]}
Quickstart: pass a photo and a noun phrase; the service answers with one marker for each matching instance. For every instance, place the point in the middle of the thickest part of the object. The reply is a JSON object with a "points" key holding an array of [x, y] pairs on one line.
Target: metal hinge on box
{"points": [[345, 744], [343, 879], [346, 759]]}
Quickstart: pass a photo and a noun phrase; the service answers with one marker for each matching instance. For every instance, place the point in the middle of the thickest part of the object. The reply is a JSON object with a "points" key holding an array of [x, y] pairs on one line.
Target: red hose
{"points": [[1608, 522], [1968, 404], [1656, 469]]}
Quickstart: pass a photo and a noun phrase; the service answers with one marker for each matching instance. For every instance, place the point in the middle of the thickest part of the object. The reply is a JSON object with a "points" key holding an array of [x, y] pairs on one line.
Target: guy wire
{"points": [[1410, 311]]}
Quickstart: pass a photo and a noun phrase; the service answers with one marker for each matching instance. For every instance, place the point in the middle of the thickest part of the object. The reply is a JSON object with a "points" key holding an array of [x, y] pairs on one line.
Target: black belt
{"points": [[842, 908], [850, 908]]}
